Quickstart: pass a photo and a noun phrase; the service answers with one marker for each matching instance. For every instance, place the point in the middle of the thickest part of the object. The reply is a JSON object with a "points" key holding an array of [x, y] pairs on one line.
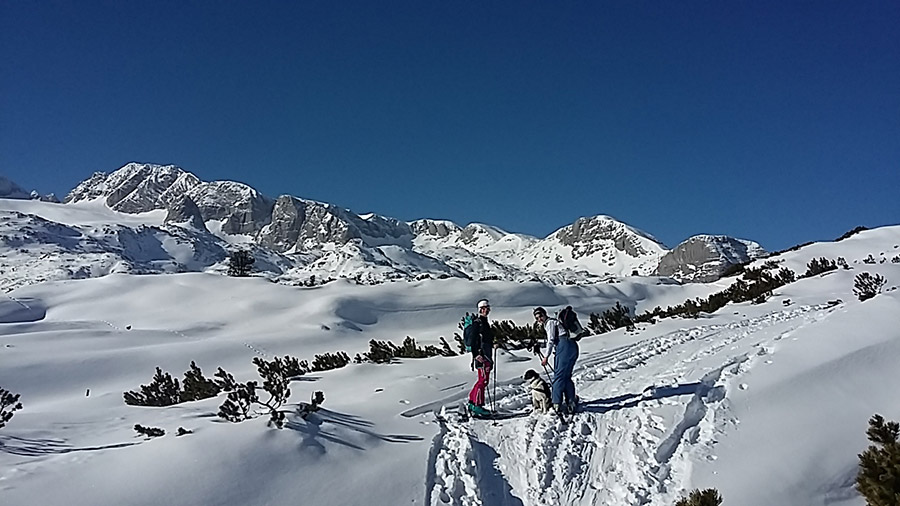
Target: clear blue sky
{"points": [[772, 121]]}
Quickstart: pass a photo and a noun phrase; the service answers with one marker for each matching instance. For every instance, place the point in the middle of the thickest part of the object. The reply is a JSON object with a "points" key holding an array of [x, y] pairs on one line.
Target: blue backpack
{"points": [[470, 330]]}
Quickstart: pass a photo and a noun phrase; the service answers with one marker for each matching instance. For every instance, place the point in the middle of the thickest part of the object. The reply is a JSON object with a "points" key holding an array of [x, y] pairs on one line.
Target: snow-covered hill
{"points": [[768, 403]]}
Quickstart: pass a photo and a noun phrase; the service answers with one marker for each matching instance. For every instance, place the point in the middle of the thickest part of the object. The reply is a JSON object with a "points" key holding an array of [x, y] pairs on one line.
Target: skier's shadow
{"points": [[340, 428], [632, 400], [27, 447], [493, 488]]}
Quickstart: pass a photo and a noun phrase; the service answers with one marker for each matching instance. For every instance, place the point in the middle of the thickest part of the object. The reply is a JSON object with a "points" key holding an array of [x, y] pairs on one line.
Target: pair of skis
{"points": [[464, 415]]}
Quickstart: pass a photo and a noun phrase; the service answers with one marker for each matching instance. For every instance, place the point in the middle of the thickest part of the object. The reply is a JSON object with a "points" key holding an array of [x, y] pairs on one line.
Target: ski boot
{"points": [[477, 410]]}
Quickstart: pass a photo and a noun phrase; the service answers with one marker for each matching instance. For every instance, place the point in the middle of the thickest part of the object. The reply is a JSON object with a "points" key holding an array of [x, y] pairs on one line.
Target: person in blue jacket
{"points": [[565, 353]]}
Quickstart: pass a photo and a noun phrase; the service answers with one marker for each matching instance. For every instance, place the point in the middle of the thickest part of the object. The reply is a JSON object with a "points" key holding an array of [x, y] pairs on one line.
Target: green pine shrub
{"points": [[239, 403], [818, 266], [878, 478], [196, 387], [225, 381], [866, 286], [708, 497], [384, 352], [162, 391], [329, 361], [9, 404], [149, 432], [276, 377], [613, 318]]}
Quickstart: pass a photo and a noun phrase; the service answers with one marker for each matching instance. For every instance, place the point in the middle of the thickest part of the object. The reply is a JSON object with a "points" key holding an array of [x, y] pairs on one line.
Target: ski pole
{"points": [[494, 396], [487, 392]]}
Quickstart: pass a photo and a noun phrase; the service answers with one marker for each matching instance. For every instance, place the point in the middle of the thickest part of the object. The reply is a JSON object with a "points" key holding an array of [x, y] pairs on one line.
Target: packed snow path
{"points": [[648, 410]]}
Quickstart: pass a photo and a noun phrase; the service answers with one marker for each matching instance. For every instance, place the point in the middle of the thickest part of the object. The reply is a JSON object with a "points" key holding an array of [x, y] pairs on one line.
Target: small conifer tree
{"points": [[225, 381], [240, 263], [149, 432], [240, 400], [162, 391], [866, 286], [818, 266], [195, 386], [708, 497], [9, 403], [275, 383], [878, 479]]}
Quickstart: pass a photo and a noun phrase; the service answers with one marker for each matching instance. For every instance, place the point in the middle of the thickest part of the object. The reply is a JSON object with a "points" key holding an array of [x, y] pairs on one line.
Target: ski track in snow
{"points": [[620, 449]]}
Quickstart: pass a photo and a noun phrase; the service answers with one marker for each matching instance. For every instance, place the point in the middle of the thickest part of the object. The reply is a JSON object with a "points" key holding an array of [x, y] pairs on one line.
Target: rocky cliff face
{"points": [[135, 188], [241, 209], [186, 212], [139, 188], [703, 258]]}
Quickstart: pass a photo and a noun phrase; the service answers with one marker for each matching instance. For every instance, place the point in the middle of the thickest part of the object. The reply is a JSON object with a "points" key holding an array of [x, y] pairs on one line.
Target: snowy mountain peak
{"points": [[10, 190], [134, 188], [588, 236]]}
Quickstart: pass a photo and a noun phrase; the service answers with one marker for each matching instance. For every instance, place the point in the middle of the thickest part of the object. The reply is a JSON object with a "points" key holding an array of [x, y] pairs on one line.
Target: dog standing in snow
{"points": [[540, 391]]}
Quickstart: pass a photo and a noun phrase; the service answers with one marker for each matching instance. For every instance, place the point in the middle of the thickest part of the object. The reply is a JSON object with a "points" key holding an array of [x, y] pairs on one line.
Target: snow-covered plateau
{"points": [[768, 403]]}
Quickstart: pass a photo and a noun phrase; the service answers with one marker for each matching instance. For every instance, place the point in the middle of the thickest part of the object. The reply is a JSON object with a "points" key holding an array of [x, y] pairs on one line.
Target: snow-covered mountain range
{"points": [[148, 218]]}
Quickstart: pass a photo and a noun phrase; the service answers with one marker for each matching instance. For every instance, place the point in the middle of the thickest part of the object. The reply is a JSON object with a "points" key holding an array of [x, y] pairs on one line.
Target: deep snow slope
{"points": [[767, 403]]}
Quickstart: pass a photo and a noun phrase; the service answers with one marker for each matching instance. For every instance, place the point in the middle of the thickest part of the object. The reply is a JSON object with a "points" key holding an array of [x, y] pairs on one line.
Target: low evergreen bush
{"points": [[878, 478], [196, 387], [818, 266], [866, 286], [384, 352], [9, 404], [708, 497], [149, 432], [162, 391]]}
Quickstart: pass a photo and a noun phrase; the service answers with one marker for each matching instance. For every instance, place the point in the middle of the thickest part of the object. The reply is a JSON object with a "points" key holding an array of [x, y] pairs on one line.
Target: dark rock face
{"points": [[241, 209], [283, 231], [434, 228], [186, 211], [703, 258]]}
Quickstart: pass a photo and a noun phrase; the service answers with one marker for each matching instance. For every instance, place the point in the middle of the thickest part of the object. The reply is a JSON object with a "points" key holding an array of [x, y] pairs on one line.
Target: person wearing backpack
{"points": [[480, 338], [564, 347]]}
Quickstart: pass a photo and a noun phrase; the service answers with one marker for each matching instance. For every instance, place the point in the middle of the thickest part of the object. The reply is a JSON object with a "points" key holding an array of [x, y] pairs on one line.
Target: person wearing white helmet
{"points": [[482, 351]]}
